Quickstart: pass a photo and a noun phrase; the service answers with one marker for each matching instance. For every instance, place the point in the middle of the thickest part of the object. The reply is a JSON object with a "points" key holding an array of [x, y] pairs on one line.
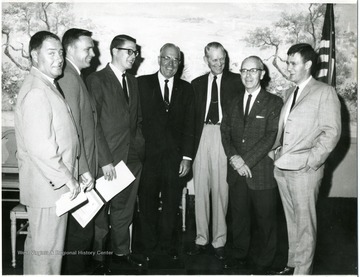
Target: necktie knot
{"points": [[215, 77], [166, 81]]}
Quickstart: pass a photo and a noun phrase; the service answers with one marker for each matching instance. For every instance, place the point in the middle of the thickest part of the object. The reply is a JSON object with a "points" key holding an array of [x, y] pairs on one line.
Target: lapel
{"points": [[37, 74], [257, 106], [116, 87], [304, 93], [203, 95], [175, 93]]}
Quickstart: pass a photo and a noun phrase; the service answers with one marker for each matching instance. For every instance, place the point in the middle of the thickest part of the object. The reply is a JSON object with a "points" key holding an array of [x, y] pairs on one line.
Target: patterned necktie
{"points": [[247, 107], [213, 114], [125, 88], [58, 88], [166, 95]]}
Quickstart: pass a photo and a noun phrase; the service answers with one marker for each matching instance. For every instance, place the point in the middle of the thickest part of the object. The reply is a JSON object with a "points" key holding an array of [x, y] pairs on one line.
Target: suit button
{"points": [[243, 140]]}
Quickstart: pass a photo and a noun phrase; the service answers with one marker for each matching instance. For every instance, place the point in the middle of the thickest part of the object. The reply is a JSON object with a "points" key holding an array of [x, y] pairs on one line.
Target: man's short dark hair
{"points": [[37, 40], [119, 41], [72, 35], [306, 51]]}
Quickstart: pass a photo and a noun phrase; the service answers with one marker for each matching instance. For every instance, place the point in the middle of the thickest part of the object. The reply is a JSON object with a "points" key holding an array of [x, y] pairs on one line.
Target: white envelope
{"points": [[64, 204], [84, 214], [108, 189]]}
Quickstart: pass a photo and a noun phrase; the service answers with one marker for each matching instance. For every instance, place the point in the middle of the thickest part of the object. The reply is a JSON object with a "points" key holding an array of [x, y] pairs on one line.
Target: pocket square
{"points": [[260, 116]]}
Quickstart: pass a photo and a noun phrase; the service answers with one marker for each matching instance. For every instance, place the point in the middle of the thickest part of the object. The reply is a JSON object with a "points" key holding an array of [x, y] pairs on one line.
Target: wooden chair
{"points": [[10, 187]]}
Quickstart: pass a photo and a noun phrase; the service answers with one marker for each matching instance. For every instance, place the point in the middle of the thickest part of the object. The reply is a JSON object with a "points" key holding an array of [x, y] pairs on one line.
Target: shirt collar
{"points": [[162, 78], [218, 77], [303, 84], [254, 94], [74, 65], [46, 76], [116, 70]]}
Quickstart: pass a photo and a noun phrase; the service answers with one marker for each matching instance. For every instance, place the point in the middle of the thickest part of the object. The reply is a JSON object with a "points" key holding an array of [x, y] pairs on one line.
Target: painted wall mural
{"points": [[266, 30]]}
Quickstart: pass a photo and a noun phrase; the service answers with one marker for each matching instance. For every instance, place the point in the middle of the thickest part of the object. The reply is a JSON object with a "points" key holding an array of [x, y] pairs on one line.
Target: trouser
{"points": [[44, 243], [262, 203], [210, 167], [299, 191]]}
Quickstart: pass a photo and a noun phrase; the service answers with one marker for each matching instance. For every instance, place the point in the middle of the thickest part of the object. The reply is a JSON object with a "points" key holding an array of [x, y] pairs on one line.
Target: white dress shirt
{"points": [[208, 98], [253, 97], [162, 85]]}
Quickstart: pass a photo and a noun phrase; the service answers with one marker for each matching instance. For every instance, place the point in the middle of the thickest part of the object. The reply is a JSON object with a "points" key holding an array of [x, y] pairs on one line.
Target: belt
{"points": [[210, 123]]}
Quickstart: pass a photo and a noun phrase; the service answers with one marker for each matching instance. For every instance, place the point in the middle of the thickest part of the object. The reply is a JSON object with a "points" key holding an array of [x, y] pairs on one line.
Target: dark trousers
{"points": [[119, 214], [160, 176], [261, 203], [78, 247]]}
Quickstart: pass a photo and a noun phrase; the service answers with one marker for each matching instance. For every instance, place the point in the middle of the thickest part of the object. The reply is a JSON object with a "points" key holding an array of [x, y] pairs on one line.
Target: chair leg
{"points": [[183, 205], [13, 239]]}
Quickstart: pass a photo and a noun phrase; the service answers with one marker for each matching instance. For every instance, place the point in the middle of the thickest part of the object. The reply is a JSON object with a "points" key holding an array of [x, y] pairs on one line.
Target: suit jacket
{"points": [[119, 122], [47, 142], [83, 109], [312, 128], [172, 130], [230, 88], [254, 140]]}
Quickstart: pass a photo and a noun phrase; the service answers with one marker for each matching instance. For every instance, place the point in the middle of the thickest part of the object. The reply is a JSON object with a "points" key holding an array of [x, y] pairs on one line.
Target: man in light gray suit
{"points": [[309, 129], [48, 147]]}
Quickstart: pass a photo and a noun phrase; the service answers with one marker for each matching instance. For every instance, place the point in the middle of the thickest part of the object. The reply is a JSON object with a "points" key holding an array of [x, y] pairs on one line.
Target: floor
{"points": [[336, 253]]}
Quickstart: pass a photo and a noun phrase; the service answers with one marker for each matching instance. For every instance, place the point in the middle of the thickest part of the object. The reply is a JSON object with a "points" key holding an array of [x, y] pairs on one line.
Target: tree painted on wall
{"points": [[19, 22], [306, 27]]}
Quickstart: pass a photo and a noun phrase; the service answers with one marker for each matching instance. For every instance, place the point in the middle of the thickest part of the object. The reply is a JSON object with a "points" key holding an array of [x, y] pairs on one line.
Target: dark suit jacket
{"points": [[254, 141], [230, 87], [172, 130], [83, 109], [120, 122]]}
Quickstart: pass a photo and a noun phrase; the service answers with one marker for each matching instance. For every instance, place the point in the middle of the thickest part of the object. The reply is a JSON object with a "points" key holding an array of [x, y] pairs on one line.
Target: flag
{"points": [[326, 61]]}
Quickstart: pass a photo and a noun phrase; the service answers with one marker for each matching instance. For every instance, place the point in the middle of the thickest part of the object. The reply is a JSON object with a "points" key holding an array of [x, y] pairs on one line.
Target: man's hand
{"points": [[74, 188], [109, 172], [87, 181], [184, 167], [236, 162], [244, 171]]}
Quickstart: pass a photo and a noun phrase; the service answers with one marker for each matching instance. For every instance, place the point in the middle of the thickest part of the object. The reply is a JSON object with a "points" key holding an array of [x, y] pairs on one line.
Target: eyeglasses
{"points": [[167, 59], [252, 71], [130, 51]]}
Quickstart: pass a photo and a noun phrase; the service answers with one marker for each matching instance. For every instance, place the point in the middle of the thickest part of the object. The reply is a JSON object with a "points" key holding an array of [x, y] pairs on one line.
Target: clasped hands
{"points": [[239, 165], [87, 183]]}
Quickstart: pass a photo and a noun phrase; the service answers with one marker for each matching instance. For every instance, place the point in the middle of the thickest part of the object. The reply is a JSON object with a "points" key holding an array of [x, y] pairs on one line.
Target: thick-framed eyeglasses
{"points": [[252, 71], [130, 51], [167, 59]]}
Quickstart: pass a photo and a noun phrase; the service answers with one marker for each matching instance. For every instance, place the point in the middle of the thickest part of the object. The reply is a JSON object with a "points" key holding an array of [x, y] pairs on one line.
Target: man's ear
{"points": [[34, 56], [308, 65]]}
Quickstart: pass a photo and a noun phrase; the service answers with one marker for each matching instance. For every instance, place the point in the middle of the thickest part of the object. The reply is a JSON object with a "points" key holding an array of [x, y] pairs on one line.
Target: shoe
{"points": [[220, 253], [196, 250], [235, 263], [100, 269], [129, 260], [173, 253], [287, 270]]}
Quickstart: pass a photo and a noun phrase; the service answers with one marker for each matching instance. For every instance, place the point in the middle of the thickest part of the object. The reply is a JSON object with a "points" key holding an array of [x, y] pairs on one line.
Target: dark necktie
{"points": [[294, 98], [125, 88], [166, 95], [58, 88], [247, 107], [213, 114]]}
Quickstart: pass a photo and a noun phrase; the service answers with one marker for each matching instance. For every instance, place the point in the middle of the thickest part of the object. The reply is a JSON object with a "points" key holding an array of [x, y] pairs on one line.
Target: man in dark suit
{"points": [[309, 129], [119, 137], [168, 127], [248, 131], [78, 46], [213, 92], [48, 147]]}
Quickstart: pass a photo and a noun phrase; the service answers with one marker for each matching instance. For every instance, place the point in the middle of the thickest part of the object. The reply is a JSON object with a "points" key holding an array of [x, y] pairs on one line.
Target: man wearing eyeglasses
{"points": [[248, 132], [119, 139], [168, 127], [213, 93]]}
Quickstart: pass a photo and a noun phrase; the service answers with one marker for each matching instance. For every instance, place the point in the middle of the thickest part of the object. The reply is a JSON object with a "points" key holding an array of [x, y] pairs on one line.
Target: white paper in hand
{"points": [[84, 214], [108, 189], [64, 204]]}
